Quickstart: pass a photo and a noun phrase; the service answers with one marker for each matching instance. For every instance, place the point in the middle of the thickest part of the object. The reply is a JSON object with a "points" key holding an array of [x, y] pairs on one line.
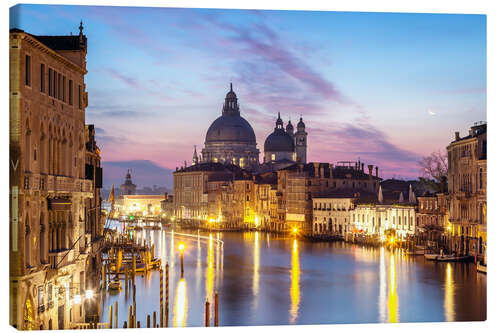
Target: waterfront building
{"points": [[332, 212], [128, 188], [167, 206], [142, 204], [432, 215], [266, 201], [49, 241], [230, 139], [299, 183], [467, 191]]}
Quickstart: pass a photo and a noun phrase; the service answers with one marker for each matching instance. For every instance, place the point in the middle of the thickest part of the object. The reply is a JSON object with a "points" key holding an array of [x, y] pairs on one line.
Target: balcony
{"points": [[51, 183]]}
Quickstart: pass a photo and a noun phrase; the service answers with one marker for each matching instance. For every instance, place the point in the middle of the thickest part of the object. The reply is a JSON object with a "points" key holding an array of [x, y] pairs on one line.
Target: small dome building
{"points": [[280, 145]]}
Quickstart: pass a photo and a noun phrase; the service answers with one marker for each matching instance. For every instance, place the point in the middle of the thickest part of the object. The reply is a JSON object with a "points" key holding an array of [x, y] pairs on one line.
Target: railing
{"points": [[86, 326]]}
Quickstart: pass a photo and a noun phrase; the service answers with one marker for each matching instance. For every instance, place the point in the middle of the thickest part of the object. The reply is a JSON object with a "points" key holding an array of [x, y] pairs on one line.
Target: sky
{"points": [[387, 88]]}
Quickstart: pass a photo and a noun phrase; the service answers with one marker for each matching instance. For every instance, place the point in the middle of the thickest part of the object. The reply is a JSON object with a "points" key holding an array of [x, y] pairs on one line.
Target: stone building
{"points": [[142, 204], [48, 186], [230, 139], [167, 206], [467, 191], [299, 183], [332, 212], [432, 215]]}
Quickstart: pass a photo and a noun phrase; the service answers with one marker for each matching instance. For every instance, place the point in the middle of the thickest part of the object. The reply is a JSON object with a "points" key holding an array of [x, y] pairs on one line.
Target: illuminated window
{"points": [[273, 157], [215, 159], [242, 162], [294, 157]]}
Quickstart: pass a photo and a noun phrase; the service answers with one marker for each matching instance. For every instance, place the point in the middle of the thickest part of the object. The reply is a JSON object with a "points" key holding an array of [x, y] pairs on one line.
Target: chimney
{"points": [[376, 171], [321, 171], [457, 136], [363, 167], [316, 166], [166, 195], [370, 169]]}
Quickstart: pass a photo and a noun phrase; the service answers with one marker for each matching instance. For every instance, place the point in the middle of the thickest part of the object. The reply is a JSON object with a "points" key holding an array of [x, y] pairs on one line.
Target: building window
{"points": [[215, 160], [42, 77], [50, 82], [54, 91], [79, 96], [59, 82], [242, 162], [27, 71], [70, 92], [64, 89], [273, 157]]}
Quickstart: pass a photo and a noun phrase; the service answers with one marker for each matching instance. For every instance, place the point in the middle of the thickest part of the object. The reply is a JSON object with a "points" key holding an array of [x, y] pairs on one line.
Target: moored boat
{"points": [[115, 284], [480, 267], [451, 257], [431, 256]]}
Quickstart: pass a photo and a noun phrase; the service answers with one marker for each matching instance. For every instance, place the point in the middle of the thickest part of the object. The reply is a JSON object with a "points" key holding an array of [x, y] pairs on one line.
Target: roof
{"points": [[338, 172], [279, 141], [210, 166], [347, 193], [59, 43]]}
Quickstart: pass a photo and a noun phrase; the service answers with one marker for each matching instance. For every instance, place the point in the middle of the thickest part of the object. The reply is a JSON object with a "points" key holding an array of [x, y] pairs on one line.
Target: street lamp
{"points": [[181, 250]]}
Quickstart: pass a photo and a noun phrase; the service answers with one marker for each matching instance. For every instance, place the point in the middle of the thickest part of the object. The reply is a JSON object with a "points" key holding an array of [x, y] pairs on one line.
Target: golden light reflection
{"points": [[295, 287], [180, 309], [449, 291], [382, 288], [392, 303], [256, 264], [209, 280]]}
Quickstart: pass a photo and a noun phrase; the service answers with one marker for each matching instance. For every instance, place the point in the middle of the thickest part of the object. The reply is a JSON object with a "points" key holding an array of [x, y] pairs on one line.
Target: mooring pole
{"points": [[161, 297], [110, 316], [166, 295], [216, 309], [154, 319], [116, 314], [148, 321], [207, 313]]}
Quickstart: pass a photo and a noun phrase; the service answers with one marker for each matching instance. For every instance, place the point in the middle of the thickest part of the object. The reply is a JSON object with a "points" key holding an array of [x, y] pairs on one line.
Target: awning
{"points": [[59, 204]]}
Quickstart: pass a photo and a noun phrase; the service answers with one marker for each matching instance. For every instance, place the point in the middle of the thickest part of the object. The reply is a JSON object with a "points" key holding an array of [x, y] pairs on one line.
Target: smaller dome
{"points": [[279, 141], [289, 126]]}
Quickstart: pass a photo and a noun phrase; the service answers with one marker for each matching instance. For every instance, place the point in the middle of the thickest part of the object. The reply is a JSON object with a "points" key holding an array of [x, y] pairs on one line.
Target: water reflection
{"points": [[382, 303], [449, 293], [209, 280], [180, 309], [256, 264], [295, 287], [392, 303]]}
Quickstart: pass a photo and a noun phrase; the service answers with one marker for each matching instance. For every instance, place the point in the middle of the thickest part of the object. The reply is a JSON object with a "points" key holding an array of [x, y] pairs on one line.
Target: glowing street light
{"points": [[181, 250], [89, 294], [77, 299]]}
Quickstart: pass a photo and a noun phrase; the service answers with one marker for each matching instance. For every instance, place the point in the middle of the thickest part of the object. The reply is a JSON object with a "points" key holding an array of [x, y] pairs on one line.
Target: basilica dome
{"points": [[230, 128], [230, 138]]}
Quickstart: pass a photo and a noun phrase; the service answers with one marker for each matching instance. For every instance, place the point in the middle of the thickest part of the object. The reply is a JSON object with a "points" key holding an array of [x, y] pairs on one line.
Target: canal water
{"points": [[265, 279]]}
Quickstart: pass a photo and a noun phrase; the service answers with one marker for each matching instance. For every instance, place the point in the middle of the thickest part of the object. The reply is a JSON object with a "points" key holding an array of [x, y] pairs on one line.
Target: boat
{"points": [[431, 256], [480, 267], [451, 257], [115, 284]]}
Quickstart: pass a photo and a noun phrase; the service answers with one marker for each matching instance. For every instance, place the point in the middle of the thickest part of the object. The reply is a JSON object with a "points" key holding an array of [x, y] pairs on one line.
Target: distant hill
{"points": [[145, 173]]}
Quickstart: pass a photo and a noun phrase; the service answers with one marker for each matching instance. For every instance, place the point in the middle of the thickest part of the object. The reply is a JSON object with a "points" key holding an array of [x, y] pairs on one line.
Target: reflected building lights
{"points": [[449, 292], [382, 302], [295, 287], [209, 278], [180, 309], [256, 264], [392, 303]]}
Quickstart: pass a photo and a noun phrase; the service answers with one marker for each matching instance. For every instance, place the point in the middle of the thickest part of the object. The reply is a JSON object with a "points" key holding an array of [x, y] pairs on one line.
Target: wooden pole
{"points": [[161, 297], [216, 309], [138, 324], [110, 316], [207, 313], [103, 278], [148, 321], [130, 315], [166, 295], [135, 307], [154, 319], [116, 314], [125, 324]]}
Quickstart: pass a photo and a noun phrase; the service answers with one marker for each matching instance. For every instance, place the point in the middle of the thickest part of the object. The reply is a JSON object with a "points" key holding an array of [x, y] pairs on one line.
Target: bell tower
{"points": [[301, 142]]}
